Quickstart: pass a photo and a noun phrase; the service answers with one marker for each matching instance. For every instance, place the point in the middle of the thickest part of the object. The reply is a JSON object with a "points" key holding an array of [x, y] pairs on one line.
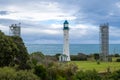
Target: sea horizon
{"points": [[52, 49]]}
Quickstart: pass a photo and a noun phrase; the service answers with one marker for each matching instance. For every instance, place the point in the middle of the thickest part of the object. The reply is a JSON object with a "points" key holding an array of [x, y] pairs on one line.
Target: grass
{"points": [[102, 67]]}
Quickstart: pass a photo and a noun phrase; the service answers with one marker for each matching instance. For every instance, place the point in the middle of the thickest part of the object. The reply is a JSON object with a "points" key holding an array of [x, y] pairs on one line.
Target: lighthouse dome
{"points": [[66, 22]]}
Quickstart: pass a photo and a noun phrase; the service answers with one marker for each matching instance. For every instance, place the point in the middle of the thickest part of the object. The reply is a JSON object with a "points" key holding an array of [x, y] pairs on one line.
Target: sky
{"points": [[42, 20]]}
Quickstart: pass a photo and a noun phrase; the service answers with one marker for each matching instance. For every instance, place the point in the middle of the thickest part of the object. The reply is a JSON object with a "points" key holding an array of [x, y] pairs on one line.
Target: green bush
{"points": [[79, 57], [118, 60], [117, 55], [115, 75], [40, 71], [87, 75], [96, 56], [61, 71], [26, 75], [8, 73], [37, 57]]}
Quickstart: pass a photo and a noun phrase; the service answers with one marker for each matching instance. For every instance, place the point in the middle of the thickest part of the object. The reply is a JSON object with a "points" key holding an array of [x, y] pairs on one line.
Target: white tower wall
{"points": [[66, 40], [66, 44]]}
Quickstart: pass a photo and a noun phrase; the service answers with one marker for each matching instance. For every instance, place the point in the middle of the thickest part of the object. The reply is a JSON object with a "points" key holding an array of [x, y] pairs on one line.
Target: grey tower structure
{"points": [[15, 30], [104, 42]]}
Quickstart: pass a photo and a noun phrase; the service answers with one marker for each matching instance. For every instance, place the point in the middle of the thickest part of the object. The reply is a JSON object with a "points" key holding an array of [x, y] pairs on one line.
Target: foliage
{"points": [[87, 75], [115, 75], [98, 62], [96, 56], [117, 60], [40, 58], [8, 73], [116, 55], [37, 57], [22, 55], [40, 54], [62, 71], [79, 57], [40, 71], [13, 51], [8, 50], [26, 75]]}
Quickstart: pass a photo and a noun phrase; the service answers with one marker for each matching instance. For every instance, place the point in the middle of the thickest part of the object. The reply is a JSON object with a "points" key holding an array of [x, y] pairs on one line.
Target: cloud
{"points": [[37, 12], [4, 29], [97, 12], [4, 13], [114, 32], [42, 20], [84, 33]]}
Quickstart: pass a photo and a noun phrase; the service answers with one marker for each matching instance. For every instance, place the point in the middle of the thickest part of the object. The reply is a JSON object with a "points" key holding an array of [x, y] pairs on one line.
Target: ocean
{"points": [[52, 49]]}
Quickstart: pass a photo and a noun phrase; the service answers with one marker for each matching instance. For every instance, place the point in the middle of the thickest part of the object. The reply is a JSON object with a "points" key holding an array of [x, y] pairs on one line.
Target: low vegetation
{"points": [[8, 73]]}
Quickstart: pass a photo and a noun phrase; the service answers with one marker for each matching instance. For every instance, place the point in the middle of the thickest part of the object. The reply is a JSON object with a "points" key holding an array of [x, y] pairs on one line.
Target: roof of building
{"points": [[66, 22]]}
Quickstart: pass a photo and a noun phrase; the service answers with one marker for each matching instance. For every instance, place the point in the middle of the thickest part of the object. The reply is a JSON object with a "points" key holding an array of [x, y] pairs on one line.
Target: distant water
{"points": [[52, 49]]}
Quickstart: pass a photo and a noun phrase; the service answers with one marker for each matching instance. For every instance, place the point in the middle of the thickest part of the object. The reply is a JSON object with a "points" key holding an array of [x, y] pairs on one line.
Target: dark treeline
{"points": [[84, 57]]}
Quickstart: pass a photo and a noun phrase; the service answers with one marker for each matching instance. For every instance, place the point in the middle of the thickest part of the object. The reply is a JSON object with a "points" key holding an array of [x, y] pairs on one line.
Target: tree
{"points": [[116, 55], [22, 55], [96, 56], [115, 75], [87, 75], [40, 71], [37, 57], [12, 50], [8, 50]]}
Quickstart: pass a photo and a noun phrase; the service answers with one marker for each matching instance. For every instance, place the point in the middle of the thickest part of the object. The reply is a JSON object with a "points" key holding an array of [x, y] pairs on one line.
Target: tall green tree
{"points": [[8, 50], [22, 55], [12, 51]]}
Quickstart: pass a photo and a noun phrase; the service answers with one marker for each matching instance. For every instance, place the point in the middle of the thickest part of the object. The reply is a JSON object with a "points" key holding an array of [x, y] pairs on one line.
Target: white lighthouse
{"points": [[66, 40]]}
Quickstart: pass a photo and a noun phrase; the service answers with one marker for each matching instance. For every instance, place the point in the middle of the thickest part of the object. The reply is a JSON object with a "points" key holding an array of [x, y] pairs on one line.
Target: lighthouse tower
{"points": [[66, 40]]}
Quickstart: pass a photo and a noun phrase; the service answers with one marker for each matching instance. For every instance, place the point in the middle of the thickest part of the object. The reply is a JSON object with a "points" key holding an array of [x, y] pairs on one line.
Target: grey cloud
{"points": [[97, 12], [4, 12], [92, 12]]}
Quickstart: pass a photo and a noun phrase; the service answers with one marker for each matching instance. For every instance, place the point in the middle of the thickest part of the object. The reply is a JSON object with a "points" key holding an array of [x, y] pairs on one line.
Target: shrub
{"points": [[117, 55], [87, 75], [117, 60], [79, 57], [62, 71], [40, 71], [26, 75], [98, 62], [96, 56], [8, 73], [115, 75], [37, 57], [60, 78]]}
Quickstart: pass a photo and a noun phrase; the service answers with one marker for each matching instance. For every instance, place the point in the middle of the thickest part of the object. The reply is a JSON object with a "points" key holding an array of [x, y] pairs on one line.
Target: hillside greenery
{"points": [[13, 51]]}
